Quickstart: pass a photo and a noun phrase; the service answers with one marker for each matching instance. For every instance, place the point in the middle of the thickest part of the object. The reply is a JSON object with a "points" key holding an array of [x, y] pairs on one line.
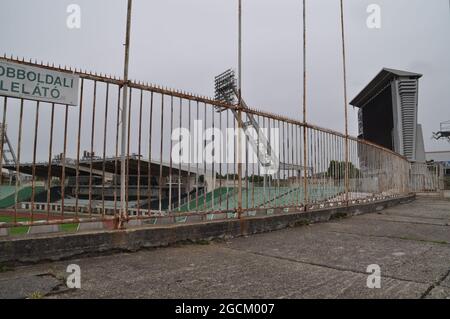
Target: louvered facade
{"points": [[387, 115], [407, 91]]}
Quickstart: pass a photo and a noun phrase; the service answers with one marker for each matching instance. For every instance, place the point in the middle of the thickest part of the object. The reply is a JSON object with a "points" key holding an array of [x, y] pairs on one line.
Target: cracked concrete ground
{"points": [[410, 242]]}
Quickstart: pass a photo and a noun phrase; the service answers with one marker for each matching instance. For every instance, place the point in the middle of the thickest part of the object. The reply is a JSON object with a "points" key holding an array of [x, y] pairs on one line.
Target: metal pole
{"points": [[345, 104], [123, 148], [239, 150], [305, 171], [2, 138]]}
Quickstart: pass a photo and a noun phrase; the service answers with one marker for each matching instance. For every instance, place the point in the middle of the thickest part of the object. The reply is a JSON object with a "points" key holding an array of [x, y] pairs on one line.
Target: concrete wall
{"points": [[56, 246]]}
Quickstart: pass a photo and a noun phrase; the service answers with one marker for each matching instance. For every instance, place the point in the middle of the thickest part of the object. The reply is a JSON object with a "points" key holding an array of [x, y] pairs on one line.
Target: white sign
{"points": [[34, 83]]}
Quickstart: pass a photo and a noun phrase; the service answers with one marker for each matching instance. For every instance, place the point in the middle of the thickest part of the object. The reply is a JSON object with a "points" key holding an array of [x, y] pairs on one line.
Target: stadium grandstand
{"points": [[95, 182]]}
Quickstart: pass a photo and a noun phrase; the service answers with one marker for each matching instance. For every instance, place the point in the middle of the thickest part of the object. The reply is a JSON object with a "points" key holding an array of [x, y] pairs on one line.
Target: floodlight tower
{"points": [[6, 149], [444, 132], [226, 91]]}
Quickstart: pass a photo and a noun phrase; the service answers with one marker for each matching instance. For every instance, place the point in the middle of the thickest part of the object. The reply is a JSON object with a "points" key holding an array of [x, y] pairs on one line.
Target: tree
{"points": [[336, 170]]}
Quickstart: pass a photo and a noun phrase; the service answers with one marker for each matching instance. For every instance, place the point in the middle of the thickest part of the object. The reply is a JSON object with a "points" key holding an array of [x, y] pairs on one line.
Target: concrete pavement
{"points": [[410, 243]]}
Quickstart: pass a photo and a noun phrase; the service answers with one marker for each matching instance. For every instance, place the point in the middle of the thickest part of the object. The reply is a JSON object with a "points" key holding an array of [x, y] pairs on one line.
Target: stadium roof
{"points": [[41, 169], [379, 83]]}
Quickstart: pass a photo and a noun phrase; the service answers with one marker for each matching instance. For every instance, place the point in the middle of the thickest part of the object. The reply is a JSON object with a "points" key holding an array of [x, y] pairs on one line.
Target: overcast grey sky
{"points": [[184, 43]]}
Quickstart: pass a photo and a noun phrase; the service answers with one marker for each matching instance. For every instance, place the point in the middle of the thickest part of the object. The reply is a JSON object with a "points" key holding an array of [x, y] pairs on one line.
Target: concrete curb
{"points": [[52, 247]]}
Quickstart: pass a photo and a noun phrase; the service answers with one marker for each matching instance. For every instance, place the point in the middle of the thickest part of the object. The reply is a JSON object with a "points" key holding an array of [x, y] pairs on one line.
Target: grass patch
{"points": [[10, 219], [70, 228], [15, 231], [36, 295], [23, 230], [439, 242]]}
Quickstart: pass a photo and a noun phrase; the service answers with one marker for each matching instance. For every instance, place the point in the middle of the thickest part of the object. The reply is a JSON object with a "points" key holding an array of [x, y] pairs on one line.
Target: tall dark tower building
{"points": [[387, 114]]}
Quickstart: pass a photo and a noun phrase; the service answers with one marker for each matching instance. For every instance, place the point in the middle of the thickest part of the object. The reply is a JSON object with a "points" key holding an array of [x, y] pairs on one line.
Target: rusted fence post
{"points": [[305, 154], [345, 106], [123, 190], [239, 150]]}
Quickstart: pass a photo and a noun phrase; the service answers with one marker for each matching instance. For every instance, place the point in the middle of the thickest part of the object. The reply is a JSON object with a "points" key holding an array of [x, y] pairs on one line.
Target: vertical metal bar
{"points": [[63, 171], [150, 130], [345, 102], [124, 213], [213, 172], [288, 159], [269, 130], [77, 174], [49, 175], [312, 183], [289, 141], [2, 137], [311, 160], [179, 162], [326, 152], [298, 162], [339, 168], [253, 165], [246, 166], [360, 166], [19, 143], [204, 163], [116, 153], [320, 149], [189, 161], [220, 162], [226, 156], [161, 153], [332, 158], [316, 165], [305, 148], [293, 161], [127, 162], [282, 170], [91, 156], [105, 131], [351, 171], [235, 160], [239, 164], [322, 146], [265, 176], [170, 155], [139, 155], [326, 166], [335, 157], [286, 162], [320, 157], [33, 174], [290, 154], [286, 173], [196, 161]]}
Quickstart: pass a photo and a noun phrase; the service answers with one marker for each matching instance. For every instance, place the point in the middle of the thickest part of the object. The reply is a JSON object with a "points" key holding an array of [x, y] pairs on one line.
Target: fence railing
{"points": [[427, 177], [189, 158]]}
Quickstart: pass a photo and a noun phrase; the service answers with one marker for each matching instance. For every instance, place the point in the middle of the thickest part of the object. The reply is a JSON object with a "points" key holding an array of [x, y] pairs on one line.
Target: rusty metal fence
{"points": [[189, 158], [427, 177]]}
